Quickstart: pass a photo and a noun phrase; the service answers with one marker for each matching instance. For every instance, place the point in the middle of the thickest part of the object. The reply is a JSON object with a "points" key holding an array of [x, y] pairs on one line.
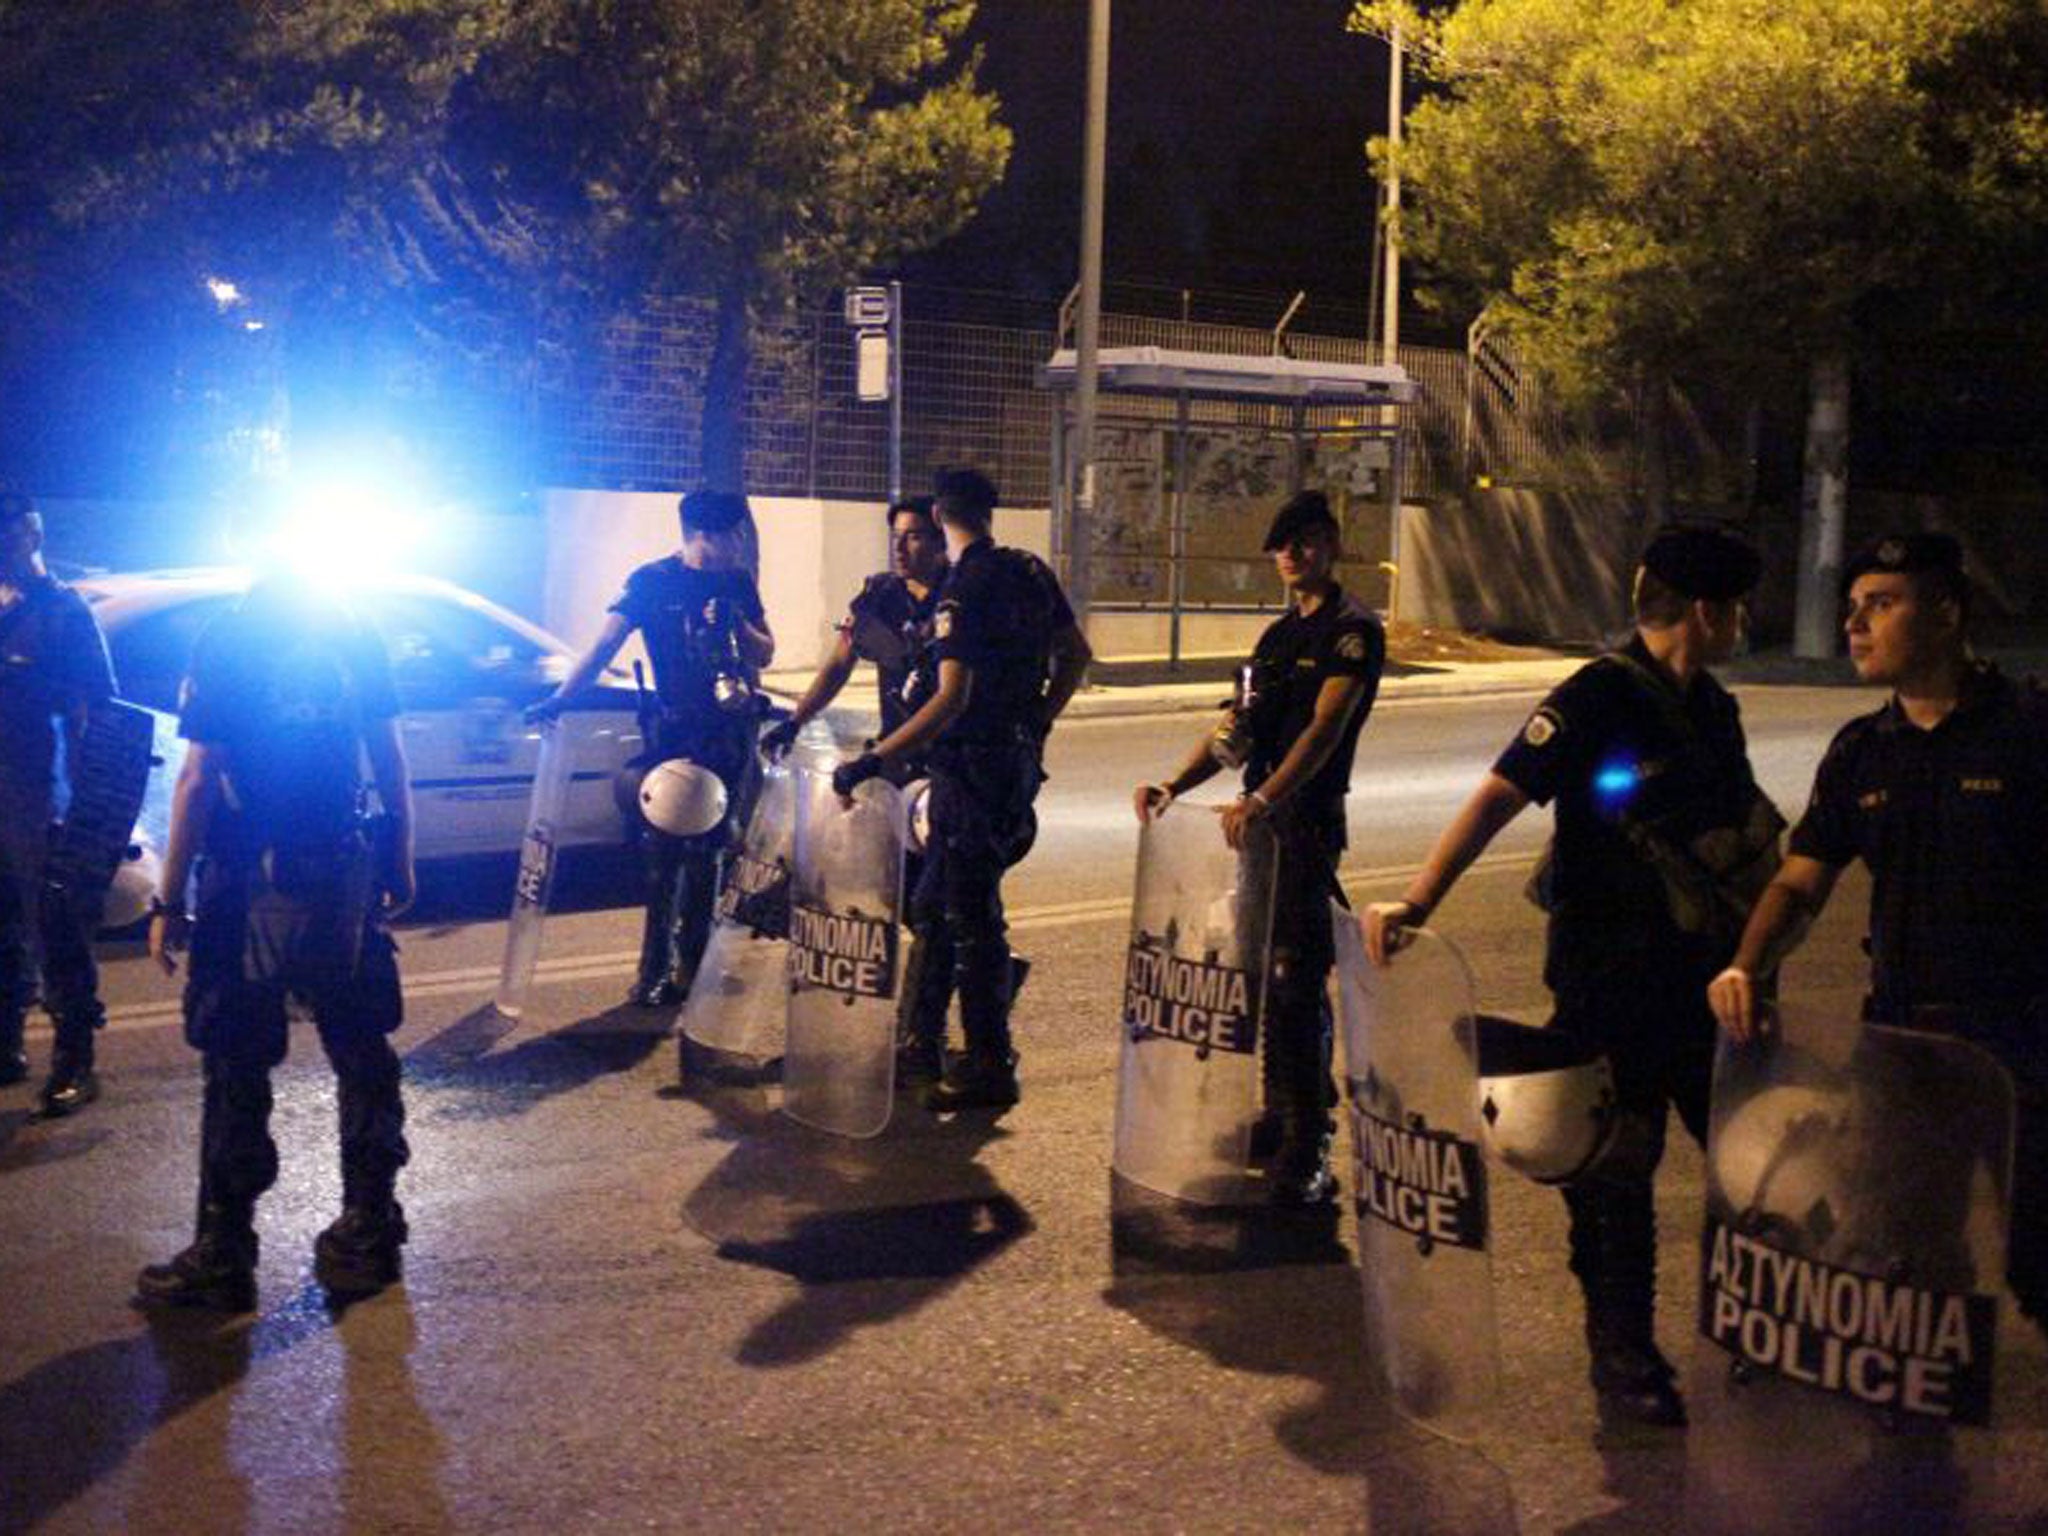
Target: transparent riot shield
{"points": [[739, 998], [537, 856], [1418, 1176], [846, 896], [1187, 1088], [108, 776], [1851, 1270]]}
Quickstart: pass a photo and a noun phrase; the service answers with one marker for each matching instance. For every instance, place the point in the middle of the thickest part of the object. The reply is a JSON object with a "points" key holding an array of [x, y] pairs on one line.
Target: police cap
{"points": [[1910, 554], [1297, 515], [1702, 562], [712, 511]]}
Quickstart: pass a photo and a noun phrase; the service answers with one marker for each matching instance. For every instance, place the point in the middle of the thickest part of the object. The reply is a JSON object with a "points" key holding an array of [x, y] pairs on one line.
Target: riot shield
{"points": [[739, 996], [1193, 1005], [1418, 1177], [109, 776], [839, 1072], [1851, 1270], [537, 856]]}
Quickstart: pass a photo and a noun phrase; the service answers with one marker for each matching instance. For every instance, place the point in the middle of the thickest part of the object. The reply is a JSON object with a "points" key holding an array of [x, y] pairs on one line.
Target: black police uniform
{"points": [[890, 625], [1952, 823], [1294, 657], [284, 686], [52, 660], [1637, 769], [998, 613], [687, 618]]}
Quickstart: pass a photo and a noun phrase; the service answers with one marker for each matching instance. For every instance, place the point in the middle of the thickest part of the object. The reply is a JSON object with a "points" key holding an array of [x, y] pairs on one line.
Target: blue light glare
{"points": [[1616, 781]]}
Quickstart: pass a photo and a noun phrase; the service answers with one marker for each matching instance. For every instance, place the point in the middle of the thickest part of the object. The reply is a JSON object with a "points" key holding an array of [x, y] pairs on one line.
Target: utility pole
{"points": [[1081, 500], [1391, 292]]}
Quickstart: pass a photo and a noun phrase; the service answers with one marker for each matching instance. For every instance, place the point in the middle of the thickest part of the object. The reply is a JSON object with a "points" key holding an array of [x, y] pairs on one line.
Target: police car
{"points": [[464, 668]]}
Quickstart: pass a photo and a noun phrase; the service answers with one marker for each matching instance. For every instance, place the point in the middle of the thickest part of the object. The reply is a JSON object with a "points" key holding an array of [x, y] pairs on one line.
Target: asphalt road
{"points": [[629, 1306]]}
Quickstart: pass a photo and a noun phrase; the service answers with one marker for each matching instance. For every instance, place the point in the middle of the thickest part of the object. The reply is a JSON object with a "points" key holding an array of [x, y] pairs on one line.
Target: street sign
{"points": [[868, 308], [871, 365]]}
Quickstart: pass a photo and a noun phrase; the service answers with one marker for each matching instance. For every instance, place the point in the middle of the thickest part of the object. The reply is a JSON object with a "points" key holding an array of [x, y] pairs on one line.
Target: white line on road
{"points": [[478, 979]]}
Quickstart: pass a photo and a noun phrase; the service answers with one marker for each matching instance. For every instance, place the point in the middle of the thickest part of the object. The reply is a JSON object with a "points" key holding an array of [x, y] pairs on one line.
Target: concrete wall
{"points": [[814, 556]]}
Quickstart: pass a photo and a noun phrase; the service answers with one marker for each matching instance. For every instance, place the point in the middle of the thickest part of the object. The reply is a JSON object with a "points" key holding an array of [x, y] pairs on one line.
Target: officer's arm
{"points": [[757, 642], [832, 677], [394, 793], [1071, 654], [1496, 802], [956, 687], [1784, 912], [593, 661], [193, 798], [1335, 702], [1150, 800]]}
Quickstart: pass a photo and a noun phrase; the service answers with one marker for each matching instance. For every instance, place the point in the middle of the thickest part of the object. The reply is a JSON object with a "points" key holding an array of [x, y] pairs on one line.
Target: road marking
{"points": [[478, 980]]}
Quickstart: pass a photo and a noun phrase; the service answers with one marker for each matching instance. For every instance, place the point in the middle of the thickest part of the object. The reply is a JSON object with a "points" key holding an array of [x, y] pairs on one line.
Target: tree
{"points": [[1721, 188]]}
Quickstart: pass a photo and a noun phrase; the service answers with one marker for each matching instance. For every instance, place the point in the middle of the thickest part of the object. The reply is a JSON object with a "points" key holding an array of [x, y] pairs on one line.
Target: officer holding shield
{"points": [[53, 668], [285, 692], [1662, 841], [1294, 730], [1004, 658], [700, 616], [1943, 794], [887, 623]]}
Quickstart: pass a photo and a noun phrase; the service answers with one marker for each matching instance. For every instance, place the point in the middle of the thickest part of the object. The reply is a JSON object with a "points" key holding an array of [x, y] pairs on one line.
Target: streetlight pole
{"points": [[1081, 501]]}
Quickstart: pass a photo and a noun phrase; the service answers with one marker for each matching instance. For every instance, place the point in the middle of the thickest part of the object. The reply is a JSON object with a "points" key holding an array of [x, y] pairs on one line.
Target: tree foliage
{"points": [[1690, 186]]}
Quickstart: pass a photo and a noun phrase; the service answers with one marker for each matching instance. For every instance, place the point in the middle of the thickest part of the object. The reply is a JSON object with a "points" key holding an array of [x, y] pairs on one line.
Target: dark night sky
{"points": [[1236, 148]]}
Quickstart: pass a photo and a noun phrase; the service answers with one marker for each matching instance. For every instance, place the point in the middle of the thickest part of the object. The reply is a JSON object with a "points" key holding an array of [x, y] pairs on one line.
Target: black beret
{"points": [[1698, 561], [713, 511], [1909, 554], [1299, 513]]}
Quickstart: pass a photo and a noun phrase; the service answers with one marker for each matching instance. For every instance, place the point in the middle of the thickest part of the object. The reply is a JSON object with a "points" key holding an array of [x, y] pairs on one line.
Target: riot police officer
{"points": [[1294, 727], [53, 666], [1662, 842], [1004, 658], [1943, 794], [700, 617], [285, 692], [887, 623]]}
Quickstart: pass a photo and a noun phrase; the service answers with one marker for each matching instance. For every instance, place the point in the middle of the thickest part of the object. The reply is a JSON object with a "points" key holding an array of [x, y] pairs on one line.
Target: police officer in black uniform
{"points": [[1943, 794], [53, 667], [887, 623], [1643, 754], [293, 888], [1005, 657], [1311, 683], [700, 616]]}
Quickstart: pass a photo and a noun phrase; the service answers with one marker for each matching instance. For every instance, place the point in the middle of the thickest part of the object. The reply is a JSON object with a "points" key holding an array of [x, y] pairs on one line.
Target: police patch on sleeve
{"points": [[1542, 727], [942, 622], [1351, 646]]}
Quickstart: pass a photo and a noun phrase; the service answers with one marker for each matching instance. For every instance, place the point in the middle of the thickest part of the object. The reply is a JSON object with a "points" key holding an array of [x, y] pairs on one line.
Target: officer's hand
{"points": [[778, 739], [401, 890], [1389, 925], [849, 776], [714, 614], [1732, 996], [1150, 801], [1240, 814], [170, 933], [541, 711]]}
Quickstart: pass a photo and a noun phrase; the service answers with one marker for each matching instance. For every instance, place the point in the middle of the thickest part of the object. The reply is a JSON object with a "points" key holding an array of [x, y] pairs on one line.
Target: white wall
{"points": [[814, 556]]}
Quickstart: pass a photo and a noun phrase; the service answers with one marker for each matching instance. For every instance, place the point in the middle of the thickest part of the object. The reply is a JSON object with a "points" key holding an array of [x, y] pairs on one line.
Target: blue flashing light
{"points": [[1616, 782]]}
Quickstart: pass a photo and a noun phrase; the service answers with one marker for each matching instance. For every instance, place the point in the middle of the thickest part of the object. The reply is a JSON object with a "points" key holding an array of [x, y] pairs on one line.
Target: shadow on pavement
{"points": [[57, 1142], [455, 1070], [871, 1229]]}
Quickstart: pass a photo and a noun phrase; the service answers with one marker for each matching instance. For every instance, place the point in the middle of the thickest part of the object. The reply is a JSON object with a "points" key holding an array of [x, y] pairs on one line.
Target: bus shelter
{"points": [[1193, 453]]}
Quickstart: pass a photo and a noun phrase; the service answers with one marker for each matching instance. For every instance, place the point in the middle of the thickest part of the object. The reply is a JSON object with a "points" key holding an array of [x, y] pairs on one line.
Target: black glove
{"points": [[541, 711], [848, 777], [778, 739]]}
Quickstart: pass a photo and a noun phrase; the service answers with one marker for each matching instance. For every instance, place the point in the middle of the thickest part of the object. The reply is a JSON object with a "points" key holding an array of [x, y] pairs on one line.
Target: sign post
{"points": [[876, 314]]}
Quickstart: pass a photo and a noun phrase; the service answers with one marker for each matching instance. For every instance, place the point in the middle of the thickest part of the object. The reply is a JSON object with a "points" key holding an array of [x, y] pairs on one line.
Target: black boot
{"points": [[975, 1080], [13, 1059], [216, 1273], [1299, 1174], [1614, 1258], [1633, 1381], [657, 992], [71, 1086], [360, 1253]]}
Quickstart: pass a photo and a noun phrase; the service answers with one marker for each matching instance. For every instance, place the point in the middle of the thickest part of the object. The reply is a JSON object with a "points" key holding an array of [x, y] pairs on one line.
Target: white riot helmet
{"points": [[917, 815], [1782, 1154], [1546, 1101], [127, 899], [681, 798]]}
